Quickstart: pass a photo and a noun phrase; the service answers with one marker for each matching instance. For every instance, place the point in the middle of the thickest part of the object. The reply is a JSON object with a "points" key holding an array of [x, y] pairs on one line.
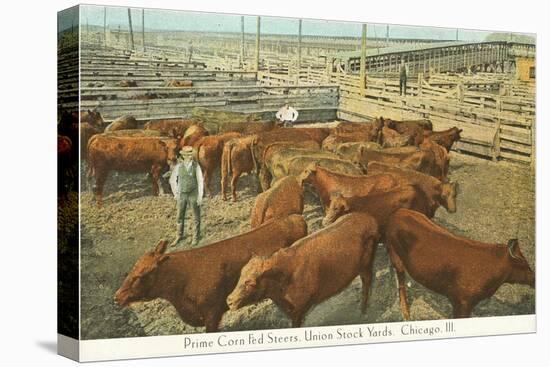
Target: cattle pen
{"points": [[474, 86], [484, 87]]}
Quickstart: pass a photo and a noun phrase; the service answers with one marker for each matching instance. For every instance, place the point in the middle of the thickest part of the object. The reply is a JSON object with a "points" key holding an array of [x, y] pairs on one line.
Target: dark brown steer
{"points": [[174, 83], [248, 128], [264, 139], [390, 138], [127, 83], [445, 138], [285, 197], [312, 270], [418, 160], [125, 122], [276, 162], [197, 281], [193, 134], [327, 183], [463, 270], [130, 154], [349, 150], [170, 127]]}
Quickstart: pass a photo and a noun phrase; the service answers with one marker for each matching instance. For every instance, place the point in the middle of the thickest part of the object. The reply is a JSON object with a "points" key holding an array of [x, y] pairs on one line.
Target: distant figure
{"points": [[403, 73], [190, 51], [287, 115]]}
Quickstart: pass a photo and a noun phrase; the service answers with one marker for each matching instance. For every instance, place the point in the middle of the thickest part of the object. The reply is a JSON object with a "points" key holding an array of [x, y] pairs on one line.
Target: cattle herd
{"points": [[377, 182]]}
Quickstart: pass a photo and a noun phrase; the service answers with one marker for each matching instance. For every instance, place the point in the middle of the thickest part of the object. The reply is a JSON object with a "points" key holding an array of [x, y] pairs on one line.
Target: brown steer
{"points": [[438, 193], [209, 153], [463, 270], [285, 197], [312, 270], [123, 123], [444, 138], [326, 183], [192, 135], [378, 204], [170, 127], [236, 160], [197, 281], [130, 154]]}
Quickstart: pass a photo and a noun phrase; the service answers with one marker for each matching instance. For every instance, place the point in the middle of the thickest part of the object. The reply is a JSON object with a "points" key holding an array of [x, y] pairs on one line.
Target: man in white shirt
{"points": [[287, 115], [187, 184]]}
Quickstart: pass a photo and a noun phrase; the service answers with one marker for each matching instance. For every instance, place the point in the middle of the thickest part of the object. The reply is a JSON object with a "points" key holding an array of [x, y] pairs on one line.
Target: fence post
{"points": [[130, 27], [363, 67], [496, 139], [299, 56], [533, 147], [257, 66], [143, 28], [242, 42], [105, 26]]}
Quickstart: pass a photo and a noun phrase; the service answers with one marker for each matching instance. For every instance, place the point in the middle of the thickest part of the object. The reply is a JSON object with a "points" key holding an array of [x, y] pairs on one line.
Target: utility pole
{"points": [[105, 26], [130, 27], [299, 63], [242, 42], [363, 66], [387, 35], [257, 43], [457, 34], [143, 28]]}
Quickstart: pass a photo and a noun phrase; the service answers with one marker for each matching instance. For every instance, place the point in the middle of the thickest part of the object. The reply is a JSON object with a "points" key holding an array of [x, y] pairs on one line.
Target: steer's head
{"points": [[250, 288], [307, 174], [520, 271], [95, 118], [449, 192], [139, 285], [338, 206], [172, 150]]}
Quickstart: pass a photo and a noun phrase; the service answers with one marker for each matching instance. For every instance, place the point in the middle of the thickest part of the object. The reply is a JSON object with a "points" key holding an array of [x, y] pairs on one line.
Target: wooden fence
{"points": [[315, 103], [497, 114]]}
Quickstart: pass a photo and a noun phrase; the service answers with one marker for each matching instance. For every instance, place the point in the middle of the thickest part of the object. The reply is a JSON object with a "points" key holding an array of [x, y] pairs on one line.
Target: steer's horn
{"points": [[512, 243]]}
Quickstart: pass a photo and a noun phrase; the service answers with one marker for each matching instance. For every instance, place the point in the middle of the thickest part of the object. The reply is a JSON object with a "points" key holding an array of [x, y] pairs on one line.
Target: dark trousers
{"points": [[403, 85], [288, 123], [191, 199]]}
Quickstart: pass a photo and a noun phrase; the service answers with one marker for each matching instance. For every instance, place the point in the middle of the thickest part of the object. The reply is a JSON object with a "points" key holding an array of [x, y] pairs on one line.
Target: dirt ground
{"points": [[496, 202]]}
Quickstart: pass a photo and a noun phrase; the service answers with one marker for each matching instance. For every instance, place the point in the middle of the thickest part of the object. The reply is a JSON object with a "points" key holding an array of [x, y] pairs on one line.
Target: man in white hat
{"points": [[187, 184], [287, 115]]}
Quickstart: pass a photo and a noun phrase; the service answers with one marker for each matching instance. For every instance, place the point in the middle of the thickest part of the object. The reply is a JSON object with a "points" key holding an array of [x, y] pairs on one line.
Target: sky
{"points": [[167, 20]]}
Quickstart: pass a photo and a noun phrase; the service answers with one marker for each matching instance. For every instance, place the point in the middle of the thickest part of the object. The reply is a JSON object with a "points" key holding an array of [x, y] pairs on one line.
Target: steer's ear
{"points": [[161, 247]]}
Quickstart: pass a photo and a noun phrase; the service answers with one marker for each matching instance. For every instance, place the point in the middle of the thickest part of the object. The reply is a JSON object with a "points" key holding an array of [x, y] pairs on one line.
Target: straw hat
{"points": [[186, 151]]}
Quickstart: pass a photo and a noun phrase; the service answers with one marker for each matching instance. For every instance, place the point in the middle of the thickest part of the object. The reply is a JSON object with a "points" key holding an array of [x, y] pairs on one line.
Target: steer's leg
{"points": [[155, 172], [462, 308], [234, 179], [400, 270], [366, 272], [212, 321], [100, 178]]}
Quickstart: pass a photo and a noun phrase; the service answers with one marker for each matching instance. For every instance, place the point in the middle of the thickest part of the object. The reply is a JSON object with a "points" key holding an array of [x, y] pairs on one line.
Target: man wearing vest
{"points": [[187, 184]]}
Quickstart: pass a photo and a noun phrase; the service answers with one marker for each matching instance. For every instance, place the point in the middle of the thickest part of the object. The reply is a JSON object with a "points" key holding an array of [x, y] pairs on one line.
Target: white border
{"points": [[248, 341]]}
